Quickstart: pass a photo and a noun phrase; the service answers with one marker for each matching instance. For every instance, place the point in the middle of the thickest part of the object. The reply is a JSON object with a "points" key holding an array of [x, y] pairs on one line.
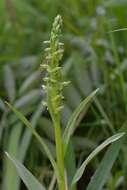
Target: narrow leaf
{"points": [[70, 163], [28, 99], [81, 169], [39, 139], [29, 180], [98, 180], [9, 82], [71, 125], [29, 81], [2, 107], [118, 30], [27, 135], [10, 177]]}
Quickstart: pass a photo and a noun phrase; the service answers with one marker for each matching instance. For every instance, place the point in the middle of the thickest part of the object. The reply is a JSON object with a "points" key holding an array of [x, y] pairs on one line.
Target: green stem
{"points": [[59, 153]]}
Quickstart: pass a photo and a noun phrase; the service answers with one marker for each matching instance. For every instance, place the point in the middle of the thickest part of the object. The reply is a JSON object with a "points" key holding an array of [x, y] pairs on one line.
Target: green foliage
{"points": [[53, 88], [71, 125], [80, 170], [39, 139], [26, 176], [95, 57], [98, 180]]}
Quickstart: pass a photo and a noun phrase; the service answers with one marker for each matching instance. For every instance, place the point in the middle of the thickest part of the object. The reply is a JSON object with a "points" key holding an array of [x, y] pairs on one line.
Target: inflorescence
{"points": [[53, 84]]}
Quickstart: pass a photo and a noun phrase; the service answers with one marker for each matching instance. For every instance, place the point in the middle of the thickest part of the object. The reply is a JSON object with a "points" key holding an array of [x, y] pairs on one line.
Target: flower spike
{"points": [[53, 83]]}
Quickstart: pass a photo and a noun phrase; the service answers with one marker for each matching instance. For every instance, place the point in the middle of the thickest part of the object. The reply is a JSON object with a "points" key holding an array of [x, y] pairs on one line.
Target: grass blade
{"points": [[81, 169], [29, 81], [98, 180], [29, 180], [70, 163], [27, 135], [28, 99], [39, 139], [71, 125], [9, 82], [10, 178]]}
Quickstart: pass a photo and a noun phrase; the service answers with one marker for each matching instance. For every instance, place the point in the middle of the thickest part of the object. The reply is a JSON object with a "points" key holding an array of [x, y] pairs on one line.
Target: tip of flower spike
{"points": [[53, 80], [58, 18], [57, 23]]}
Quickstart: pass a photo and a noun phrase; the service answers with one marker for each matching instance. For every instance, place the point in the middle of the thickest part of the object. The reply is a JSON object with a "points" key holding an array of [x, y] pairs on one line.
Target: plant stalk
{"points": [[59, 154]]}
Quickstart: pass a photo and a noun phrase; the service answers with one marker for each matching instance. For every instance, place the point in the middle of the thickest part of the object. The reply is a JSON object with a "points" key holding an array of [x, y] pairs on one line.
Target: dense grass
{"points": [[93, 58]]}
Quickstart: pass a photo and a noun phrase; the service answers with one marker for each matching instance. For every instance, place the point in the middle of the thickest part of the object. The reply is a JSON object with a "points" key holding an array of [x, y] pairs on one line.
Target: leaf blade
{"points": [[81, 169], [71, 125], [39, 139], [29, 180], [97, 181], [10, 177], [9, 82]]}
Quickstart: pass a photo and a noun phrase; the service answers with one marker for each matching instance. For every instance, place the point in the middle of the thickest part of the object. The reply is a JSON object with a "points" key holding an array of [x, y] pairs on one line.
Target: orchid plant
{"points": [[53, 85]]}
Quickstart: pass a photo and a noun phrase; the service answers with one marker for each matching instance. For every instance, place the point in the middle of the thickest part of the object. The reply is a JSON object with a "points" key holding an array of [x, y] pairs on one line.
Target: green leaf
{"points": [[29, 180], [10, 177], [81, 169], [9, 82], [71, 125], [29, 81], [70, 163], [39, 139], [27, 135], [28, 99], [73, 97], [2, 106], [98, 180]]}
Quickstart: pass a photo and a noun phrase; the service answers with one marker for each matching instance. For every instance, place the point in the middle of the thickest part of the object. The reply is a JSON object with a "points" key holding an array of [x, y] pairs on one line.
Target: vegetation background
{"points": [[94, 57]]}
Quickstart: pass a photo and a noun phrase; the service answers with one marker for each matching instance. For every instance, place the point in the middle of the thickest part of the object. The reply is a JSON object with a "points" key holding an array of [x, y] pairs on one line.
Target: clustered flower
{"points": [[53, 84]]}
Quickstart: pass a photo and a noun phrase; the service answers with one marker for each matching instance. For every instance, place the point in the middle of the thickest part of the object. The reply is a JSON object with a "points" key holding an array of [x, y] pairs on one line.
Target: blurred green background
{"points": [[94, 57]]}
